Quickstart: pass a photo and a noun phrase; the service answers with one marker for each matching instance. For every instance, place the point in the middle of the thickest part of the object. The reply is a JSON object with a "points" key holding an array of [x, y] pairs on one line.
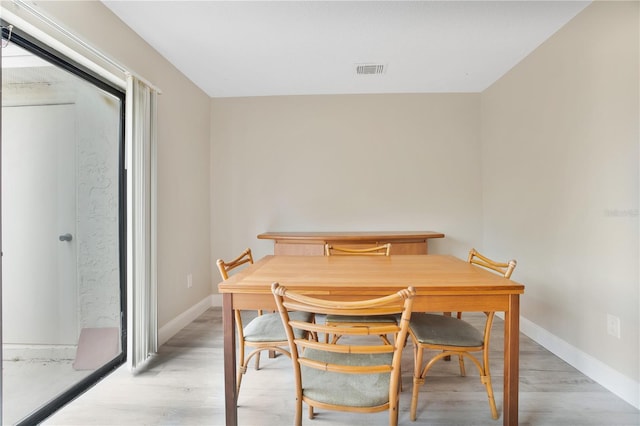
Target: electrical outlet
{"points": [[613, 325], [189, 280]]}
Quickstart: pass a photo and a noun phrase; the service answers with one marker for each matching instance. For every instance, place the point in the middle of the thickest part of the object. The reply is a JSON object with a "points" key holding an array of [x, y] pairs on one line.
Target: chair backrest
{"points": [[503, 268], [226, 267], [355, 338], [383, 250]]}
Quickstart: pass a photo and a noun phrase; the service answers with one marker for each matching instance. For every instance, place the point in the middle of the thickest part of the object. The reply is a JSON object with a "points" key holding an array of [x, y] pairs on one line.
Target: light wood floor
{"points": [[183, 385]]}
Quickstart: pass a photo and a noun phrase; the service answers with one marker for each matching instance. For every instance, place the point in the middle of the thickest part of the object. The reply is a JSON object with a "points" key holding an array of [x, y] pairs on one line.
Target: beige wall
{"points": [[183, 153], [560, 181], [345, 163]]}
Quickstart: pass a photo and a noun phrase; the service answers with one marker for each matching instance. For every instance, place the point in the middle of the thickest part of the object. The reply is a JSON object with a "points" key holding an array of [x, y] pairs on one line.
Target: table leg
{"points": [[229, 336], [511, 361]]}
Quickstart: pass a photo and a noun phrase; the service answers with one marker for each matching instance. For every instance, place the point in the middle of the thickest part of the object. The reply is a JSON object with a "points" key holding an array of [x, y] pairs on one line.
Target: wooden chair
{"points": [[382, 250], [503, 268], [454, 336], [264, 332], [361, 375]]}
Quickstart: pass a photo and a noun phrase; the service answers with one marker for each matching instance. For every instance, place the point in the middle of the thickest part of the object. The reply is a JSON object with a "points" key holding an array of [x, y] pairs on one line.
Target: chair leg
{"points": [[311, 415], [257, 364], [417, 379], [417, 382], [298, 420], [241, 370], [486, 375], [393, 415], [486, 381], [463, 372], [241, 367]]}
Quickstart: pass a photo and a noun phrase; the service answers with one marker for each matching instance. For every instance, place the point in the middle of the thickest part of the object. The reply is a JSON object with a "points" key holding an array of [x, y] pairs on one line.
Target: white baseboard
{"points": [[617, 383], [181, 321]]}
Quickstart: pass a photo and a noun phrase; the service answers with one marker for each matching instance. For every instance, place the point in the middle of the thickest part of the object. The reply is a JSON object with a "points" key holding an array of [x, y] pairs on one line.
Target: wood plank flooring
{"points": [[183, 385]]}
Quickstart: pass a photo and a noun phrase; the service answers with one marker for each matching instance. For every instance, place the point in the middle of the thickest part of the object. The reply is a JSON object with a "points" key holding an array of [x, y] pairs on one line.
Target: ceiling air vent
{"points": [[370, 69]]}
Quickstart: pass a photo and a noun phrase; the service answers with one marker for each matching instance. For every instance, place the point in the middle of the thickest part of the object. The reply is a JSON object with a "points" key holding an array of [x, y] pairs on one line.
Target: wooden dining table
{"points": [[442, 283]]}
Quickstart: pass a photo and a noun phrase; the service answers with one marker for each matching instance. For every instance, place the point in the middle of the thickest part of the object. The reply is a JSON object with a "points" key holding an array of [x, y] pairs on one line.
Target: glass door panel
{"points": [[62, 297]]}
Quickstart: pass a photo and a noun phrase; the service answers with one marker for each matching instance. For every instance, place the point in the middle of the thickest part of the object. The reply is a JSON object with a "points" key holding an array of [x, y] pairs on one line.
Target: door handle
{"points": [[65, 237]]}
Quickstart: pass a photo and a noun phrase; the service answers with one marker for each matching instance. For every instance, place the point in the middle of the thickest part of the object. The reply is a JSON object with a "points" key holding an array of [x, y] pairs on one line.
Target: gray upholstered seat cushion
{"points": [[269, 328], [443, 330], [391, 319], [355, 390]]}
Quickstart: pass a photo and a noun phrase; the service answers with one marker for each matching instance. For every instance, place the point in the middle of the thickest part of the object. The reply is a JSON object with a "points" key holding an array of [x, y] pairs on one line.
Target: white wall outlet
{"points": [[613, 325], [189, 280]]}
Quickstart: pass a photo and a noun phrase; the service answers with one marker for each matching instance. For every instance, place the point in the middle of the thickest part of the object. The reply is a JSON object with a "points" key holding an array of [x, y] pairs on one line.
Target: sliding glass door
{"points": [[62, 230]]}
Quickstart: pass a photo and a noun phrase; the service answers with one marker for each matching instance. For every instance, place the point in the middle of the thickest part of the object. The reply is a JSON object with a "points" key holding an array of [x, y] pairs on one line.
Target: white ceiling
{"points": [[262, 48]]}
